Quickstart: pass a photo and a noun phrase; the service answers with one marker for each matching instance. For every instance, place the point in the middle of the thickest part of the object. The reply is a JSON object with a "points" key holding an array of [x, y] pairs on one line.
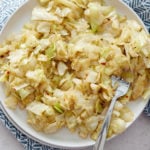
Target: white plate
{"points": [[63, 138]]}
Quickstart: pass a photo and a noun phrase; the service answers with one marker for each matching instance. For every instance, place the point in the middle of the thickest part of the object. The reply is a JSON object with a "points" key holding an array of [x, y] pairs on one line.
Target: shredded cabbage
{"points": [[49, 52], [59, 67]]}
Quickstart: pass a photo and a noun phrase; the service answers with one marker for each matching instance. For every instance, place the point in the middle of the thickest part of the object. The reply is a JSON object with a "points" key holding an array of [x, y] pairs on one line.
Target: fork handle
{"points": [[99, 145]]}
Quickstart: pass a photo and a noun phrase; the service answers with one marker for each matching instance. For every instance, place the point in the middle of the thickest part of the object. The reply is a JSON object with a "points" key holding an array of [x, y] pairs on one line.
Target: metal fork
{"points": [[122, 88]]}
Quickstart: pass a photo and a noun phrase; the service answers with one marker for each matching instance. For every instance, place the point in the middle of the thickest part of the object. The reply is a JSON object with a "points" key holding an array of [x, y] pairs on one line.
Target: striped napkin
{"points": [[7, 8]]}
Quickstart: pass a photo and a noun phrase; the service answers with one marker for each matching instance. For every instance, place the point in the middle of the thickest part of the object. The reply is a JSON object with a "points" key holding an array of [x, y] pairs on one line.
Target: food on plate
{"points": [[59, 66]]}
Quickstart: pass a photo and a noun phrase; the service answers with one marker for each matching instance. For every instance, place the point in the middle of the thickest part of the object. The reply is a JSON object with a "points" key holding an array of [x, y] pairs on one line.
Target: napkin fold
{"points": [[7, 8]]}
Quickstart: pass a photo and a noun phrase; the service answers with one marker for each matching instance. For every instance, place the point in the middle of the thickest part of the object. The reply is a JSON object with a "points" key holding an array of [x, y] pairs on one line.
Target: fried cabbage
{"points": [[59, 67]]}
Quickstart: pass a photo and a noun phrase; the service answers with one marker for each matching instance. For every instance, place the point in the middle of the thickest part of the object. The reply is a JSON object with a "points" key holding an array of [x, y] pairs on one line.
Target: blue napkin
{"points": [[8, 7]]}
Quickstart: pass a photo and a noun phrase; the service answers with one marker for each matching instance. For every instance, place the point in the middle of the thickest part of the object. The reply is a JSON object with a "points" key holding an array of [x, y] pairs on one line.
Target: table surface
{"points": [[136, 137]]}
